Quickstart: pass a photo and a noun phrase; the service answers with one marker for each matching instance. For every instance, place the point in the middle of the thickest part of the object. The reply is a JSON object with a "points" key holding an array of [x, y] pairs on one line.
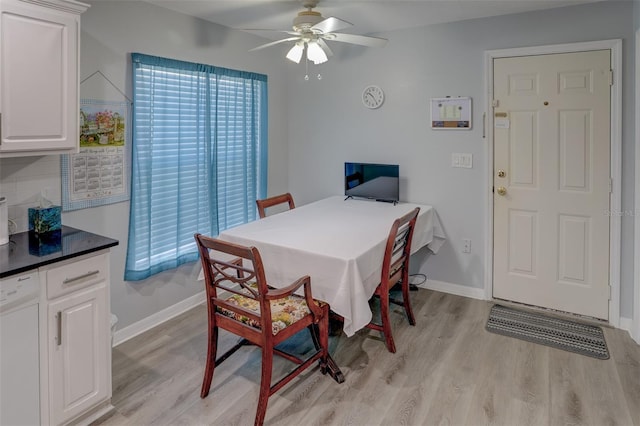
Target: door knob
{"points": [[501, 190]]}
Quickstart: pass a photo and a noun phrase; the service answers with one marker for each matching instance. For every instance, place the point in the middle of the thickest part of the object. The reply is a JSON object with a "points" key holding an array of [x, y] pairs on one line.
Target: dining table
{"points": [[339, 243]]}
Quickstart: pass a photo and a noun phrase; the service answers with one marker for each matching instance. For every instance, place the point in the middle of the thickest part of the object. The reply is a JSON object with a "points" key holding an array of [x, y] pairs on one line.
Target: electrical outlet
{"points": [[466, 245]]}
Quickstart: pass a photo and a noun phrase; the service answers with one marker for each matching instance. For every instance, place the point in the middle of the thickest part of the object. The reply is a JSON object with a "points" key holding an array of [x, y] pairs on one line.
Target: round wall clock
{"points": [[372, 97]]}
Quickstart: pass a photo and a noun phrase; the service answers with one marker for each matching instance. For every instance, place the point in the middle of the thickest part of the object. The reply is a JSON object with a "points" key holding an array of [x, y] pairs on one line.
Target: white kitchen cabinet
{"points": [[39, 76], [78, 346]]}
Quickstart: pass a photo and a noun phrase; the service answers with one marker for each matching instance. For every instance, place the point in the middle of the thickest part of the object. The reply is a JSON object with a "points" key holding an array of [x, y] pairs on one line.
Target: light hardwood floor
{"points": [[448, 370]]}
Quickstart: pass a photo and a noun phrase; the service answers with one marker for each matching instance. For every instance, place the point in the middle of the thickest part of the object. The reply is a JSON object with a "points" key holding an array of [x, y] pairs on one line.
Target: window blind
{"points": [[198, 160]]}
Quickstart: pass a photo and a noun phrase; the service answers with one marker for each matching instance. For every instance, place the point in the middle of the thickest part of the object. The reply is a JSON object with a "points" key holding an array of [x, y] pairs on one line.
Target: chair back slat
{"points": [[398, 248], [265, 203], [241, 276]]}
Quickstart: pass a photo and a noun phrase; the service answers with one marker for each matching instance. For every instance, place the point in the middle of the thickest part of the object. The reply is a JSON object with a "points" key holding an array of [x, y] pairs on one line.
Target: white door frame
{"points": [[616, 158], [635, 327]]}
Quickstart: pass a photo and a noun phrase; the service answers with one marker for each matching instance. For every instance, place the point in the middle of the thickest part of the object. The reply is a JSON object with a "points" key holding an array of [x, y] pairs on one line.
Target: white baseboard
{"points": [[158, 318], [626, 324], [457, 289], [94, 414]]}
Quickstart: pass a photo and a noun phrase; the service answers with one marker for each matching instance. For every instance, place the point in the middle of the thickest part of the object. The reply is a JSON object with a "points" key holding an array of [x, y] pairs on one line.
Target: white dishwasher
{"points": [[19, 350]]}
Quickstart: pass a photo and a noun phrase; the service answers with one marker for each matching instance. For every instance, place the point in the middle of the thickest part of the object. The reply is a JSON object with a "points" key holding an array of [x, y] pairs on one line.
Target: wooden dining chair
{"points": [[240, 302], [265, 203], [395, 270]]}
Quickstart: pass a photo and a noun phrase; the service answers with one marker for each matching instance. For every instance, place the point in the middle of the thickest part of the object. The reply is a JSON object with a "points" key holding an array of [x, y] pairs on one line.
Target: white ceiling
{"points": [[367, 16]]}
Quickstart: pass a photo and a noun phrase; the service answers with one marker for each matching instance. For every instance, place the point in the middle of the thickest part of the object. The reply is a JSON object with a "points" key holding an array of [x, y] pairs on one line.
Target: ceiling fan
{"points": [[311, 29]]}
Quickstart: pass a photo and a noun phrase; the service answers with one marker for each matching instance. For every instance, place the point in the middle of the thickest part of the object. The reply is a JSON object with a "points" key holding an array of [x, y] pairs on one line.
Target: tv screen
{"points": [[380, 182]]}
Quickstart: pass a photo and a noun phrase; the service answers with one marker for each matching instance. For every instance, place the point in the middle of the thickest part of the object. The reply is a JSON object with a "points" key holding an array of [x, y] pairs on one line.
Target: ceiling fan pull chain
{"points": [[306, 69]]}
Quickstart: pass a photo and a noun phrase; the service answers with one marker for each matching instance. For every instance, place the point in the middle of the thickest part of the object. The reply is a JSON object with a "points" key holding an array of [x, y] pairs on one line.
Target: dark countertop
{"points": [[27, 250]]}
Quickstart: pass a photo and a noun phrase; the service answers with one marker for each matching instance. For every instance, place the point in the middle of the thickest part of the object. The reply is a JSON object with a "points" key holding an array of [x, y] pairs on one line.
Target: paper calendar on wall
{"points": [[451, 113]]}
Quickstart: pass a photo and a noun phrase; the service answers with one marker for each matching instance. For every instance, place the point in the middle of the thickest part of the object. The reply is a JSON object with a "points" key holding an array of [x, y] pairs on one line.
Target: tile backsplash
{"points": [[23, 179]]}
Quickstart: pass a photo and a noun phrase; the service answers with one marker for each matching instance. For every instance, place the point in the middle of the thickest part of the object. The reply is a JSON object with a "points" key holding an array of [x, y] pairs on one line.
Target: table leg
{"points": [[334, 371], [331, 367], [335, 325]]}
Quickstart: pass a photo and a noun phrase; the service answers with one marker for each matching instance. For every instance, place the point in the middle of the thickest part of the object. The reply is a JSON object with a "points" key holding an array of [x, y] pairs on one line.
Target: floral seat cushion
{"points": [[284, 312]]}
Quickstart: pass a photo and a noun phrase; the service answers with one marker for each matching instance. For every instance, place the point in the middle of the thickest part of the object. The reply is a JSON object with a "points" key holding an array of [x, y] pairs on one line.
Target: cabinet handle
{"points": [[87, 275], [59, 320]]}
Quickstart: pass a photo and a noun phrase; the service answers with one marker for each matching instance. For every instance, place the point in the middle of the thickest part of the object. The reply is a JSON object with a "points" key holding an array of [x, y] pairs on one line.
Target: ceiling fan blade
{"points": [[325, 47], [273, 43], [330, 25], [358, 39], [261, 30]]}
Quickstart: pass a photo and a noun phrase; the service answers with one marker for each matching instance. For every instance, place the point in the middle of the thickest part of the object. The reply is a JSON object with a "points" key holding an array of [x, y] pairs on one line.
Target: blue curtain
{"points": [[199, 158]]}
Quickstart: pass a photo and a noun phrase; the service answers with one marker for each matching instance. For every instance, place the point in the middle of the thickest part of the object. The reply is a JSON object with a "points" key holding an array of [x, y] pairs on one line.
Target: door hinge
{"points": [[495, 103], [610, 77], [610, 185], [609, 292]]}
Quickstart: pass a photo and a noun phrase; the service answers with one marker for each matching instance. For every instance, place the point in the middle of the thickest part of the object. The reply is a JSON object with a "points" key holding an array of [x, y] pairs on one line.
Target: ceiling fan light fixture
{"points": [[315, 53], [295, 54]]}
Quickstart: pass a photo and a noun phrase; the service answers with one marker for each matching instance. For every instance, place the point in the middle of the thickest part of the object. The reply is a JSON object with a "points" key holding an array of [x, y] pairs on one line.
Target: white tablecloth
{"points": [[339, 243]]}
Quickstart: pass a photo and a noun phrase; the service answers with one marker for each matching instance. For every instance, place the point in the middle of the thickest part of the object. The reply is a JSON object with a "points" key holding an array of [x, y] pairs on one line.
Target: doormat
{"points": [[546, 330]]}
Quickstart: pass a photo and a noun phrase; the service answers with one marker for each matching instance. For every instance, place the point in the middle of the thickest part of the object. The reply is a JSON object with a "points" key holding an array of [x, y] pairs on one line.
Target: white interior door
{"points": [[552, 181]]}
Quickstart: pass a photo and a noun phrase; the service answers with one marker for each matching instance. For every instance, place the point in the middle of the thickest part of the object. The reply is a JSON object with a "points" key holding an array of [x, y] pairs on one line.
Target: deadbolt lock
{"points": [[501, 173]]}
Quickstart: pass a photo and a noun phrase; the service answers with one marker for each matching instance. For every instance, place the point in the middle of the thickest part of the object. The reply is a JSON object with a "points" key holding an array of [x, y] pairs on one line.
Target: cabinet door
{"points": [[38, 78], [79, 342]]}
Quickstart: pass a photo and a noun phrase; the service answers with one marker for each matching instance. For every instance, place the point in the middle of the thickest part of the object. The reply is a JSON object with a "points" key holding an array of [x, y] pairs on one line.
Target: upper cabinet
{"points": [[39, 76]]}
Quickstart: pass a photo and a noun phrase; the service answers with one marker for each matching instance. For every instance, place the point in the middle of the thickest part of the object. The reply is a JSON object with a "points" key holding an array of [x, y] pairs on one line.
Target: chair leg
{"points": [[265, 385], [386, 323], [210, 366], [407, 303]]}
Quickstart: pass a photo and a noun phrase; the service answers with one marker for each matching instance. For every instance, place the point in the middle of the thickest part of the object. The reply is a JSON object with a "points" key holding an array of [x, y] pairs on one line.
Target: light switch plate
{"points": [[464, 160]]}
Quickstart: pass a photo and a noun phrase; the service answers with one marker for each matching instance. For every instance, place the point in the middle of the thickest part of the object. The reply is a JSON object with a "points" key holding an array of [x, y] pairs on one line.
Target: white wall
{"points": [[22, 180], [329, 125]]}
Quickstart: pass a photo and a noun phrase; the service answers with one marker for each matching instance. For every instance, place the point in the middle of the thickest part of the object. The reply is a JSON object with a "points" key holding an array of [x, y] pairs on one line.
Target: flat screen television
{"points": [[380, 182]]}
